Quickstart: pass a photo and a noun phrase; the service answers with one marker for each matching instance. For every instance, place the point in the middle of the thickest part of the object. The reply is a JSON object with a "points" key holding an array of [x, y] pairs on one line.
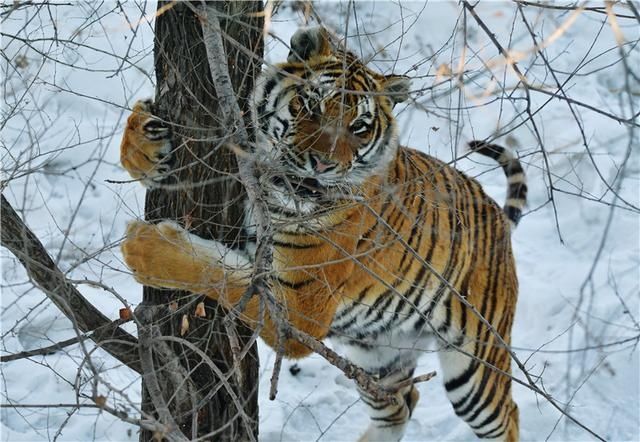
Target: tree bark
{"points": [[205, 196]]}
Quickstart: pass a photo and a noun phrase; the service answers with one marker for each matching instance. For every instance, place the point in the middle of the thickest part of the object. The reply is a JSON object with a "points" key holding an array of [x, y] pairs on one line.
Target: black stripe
{"points": [[397, 213], [294, 285], [419, 282], [157, 136], [155, 125], [461, 380], [285, 127], [492, 151], [517, 190], [290, 159], [513, 213], [414, 237], [399, 367], [380, 313], [493, 416], [260, 110], [344, 327], [490, 433], [285, 212], [291, 245], [485, 404], [393, 417], [379, 137], [382, 405], [447, 319], [269, 85], [513, 167], [354, 303], [360, 344], [416, 288], [367, 235], [375, 137], [475, 396], [387, 296], [495, 271]]}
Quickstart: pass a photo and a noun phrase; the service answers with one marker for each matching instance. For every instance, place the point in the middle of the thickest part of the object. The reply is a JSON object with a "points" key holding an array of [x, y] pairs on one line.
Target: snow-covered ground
{"points": [[62, 118]]}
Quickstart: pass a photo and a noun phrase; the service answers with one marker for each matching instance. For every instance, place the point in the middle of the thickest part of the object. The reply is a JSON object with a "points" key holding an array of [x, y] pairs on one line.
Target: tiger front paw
{"points": [[145, 150], [162, 255]]}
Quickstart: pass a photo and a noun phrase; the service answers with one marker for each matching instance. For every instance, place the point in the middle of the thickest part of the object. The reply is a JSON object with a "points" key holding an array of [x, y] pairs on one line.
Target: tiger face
{"points": [[323, 116]]}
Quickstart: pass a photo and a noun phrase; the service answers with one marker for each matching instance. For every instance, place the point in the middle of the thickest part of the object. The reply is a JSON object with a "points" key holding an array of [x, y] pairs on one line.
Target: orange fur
{"points": [[419, 210], [139, 155]]}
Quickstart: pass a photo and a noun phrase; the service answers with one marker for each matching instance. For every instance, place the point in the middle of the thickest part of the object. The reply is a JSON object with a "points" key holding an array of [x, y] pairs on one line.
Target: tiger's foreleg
{"points": [[165, 255]]}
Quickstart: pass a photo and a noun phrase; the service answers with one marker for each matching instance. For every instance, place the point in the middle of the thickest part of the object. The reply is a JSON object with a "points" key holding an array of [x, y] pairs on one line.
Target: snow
{"points": [[62, 136]]}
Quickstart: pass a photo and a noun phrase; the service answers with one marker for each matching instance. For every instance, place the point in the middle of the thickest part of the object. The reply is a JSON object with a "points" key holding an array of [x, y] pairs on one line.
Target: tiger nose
{"points": [[319, 165]]}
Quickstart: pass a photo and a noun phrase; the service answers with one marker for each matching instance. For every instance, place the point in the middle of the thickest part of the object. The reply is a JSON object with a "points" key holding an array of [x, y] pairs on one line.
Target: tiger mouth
{"points": [[302, 187]]}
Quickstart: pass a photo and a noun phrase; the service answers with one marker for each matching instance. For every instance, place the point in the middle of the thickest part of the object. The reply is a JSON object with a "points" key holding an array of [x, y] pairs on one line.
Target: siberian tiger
{"points": [[376, 245]]}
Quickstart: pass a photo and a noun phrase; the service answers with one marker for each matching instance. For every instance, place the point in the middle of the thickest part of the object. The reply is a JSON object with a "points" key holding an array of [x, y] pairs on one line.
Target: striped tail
{"points": [[517, 192]]}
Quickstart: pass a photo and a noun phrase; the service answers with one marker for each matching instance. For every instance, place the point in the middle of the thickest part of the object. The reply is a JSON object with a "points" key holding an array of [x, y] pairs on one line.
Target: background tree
{"points": [[206, 196]]}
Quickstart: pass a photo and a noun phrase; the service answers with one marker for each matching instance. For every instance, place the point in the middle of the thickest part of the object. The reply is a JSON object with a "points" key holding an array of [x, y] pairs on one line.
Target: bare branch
{"points": [[22, 242]]}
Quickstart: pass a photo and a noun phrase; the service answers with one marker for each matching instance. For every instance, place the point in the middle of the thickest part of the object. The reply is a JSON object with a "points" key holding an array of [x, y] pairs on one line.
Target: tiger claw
{"points": [[145, 150], [155, 129]]}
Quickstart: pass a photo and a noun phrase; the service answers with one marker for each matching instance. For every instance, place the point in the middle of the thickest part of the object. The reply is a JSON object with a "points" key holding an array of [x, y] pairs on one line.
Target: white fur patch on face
{"points": [[284, 198], [270, 110], [358, 175]]}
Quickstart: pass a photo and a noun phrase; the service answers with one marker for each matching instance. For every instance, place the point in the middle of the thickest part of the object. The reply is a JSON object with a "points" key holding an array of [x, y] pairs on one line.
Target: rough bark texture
{"points": [[208, 199]]}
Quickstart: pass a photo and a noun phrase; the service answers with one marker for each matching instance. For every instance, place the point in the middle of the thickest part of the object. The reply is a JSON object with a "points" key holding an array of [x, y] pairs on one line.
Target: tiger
{"points": [[379, 247]]}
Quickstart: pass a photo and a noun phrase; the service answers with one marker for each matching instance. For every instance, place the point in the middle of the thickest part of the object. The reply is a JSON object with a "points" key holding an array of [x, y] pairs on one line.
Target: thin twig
{"points": [[147, 333], [22, 242], [44, 350]]}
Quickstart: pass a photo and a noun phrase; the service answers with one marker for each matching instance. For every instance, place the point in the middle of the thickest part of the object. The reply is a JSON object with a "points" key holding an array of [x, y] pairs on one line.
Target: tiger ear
{"points": [[397, 88], [309, 42]]}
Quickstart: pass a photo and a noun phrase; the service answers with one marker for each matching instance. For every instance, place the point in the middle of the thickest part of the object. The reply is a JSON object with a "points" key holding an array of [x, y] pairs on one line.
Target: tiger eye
{"points": [[359, 128], [312, 106]]}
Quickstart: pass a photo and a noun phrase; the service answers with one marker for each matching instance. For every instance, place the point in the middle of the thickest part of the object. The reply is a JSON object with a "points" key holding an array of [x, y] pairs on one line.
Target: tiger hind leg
{"points": [[480, 395], [389, 420]]}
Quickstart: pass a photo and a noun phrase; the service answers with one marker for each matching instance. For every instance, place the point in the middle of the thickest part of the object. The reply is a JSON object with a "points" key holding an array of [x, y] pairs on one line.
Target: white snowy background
{"points": [[63, 110]]}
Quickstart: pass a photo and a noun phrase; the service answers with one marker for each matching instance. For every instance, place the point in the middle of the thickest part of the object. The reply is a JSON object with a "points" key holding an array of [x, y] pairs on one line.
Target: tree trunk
{"points": [[207, 198]]}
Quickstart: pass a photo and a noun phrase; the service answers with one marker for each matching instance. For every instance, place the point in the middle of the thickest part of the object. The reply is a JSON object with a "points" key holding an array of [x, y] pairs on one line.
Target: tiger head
{"points": [[324, 116]]}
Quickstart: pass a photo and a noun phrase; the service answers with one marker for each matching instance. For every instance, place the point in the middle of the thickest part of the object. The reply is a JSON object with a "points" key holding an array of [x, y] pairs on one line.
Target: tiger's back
{"points": [[430, 232]]}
